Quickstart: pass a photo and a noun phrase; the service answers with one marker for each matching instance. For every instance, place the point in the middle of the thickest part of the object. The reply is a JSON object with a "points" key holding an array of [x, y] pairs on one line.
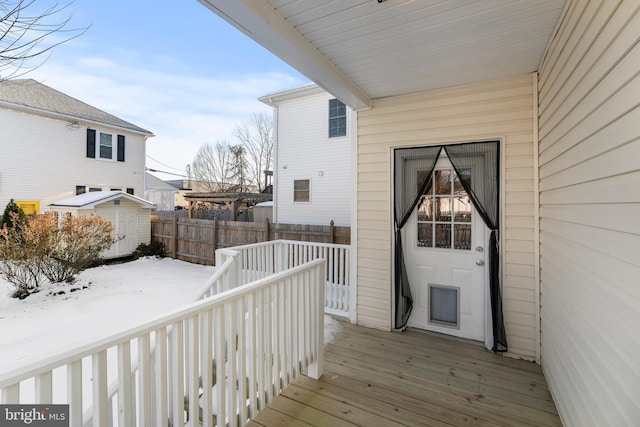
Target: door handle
{"points": [[480, 262]]}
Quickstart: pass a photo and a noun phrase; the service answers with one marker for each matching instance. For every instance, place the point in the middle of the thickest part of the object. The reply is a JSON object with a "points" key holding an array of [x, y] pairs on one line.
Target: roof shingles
{"points": [[32, 94]]}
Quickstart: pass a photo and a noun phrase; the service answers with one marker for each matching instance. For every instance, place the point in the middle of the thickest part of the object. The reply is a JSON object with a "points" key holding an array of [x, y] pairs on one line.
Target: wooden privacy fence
{"points": [[196, 240]]}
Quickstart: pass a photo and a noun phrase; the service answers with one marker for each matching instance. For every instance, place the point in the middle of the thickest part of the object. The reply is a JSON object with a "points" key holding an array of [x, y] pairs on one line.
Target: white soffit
{"points": [[360, 50]]}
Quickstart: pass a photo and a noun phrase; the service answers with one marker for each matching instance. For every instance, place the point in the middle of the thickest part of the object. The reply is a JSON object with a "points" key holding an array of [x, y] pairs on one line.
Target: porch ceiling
{"points": [[360, 50]]}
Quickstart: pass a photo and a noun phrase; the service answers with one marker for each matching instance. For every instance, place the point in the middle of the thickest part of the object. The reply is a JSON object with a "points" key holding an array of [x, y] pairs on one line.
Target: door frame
{"points": [[488, 342]]}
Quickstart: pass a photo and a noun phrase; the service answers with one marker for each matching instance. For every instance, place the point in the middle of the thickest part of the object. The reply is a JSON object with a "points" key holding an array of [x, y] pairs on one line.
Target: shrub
{"points": [[44, 248], [152, 249], [76, 245], [21, 255]]}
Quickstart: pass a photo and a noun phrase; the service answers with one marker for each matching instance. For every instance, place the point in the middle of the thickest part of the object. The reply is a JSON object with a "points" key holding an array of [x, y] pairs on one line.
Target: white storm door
{"points": [[444, 245]]}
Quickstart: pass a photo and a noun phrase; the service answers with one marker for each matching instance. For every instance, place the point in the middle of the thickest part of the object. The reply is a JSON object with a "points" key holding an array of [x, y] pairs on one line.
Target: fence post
{"points": [[332, 232], [215, 240], [175, 237], [267, 230]]}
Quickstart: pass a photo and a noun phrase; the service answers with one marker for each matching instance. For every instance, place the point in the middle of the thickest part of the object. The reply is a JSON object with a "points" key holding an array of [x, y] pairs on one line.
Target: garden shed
{"points": [[130, 215]]}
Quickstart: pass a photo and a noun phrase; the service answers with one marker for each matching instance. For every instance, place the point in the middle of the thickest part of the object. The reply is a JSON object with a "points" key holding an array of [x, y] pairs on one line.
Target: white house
{"points": [[540, 101], [54, 146], [160, 193], [313, 136]]}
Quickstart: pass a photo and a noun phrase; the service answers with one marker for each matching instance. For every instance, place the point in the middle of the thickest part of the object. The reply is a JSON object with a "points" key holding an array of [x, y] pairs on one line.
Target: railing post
{"points": [[317, 309], [280, 256]]}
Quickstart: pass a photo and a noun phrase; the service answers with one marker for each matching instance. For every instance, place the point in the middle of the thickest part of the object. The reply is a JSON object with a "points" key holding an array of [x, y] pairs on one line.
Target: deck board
{"points": [[373, 377]]}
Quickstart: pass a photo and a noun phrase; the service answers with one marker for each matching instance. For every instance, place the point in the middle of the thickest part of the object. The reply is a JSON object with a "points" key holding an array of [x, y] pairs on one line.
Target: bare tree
{"points": [[213, 165], [28, 34], [255, 136]]}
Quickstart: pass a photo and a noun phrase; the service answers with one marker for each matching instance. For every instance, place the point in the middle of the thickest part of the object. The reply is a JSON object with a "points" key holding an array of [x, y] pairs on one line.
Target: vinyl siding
{"points": [[590, 214], [44, 159], [305, 151], [494, 110]]}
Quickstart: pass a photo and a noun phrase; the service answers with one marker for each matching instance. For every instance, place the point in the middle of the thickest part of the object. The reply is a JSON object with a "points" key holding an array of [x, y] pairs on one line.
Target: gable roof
{"points": [[30, 95], [91, 199], [155, 183], [274, 98]]}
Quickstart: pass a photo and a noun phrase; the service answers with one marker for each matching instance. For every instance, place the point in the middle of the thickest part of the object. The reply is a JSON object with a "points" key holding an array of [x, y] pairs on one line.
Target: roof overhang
{"points": [[360, 50]]}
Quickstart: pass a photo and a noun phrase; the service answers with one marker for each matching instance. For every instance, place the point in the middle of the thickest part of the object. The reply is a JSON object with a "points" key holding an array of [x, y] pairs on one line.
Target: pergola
{"points": [[234, 199]]}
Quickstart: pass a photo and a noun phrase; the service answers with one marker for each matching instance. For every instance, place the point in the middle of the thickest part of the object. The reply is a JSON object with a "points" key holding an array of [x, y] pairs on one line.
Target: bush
{"points": [[43, 248], [76, 245], [152, 249]]}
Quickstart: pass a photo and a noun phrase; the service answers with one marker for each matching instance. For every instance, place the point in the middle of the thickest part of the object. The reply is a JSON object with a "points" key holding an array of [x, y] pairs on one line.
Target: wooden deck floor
{"points": [[375, 378]]}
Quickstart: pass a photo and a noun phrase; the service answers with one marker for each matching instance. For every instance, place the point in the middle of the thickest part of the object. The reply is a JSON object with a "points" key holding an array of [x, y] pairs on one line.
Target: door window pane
{"points": [[442, 182], [444, 212]]}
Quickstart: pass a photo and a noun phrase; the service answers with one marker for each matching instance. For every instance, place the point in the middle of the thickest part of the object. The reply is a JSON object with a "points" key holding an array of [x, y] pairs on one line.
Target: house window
{"points": [[106, 146], [301, 190], [94, 189], [80, 189], [130, 191], [337, 118]]}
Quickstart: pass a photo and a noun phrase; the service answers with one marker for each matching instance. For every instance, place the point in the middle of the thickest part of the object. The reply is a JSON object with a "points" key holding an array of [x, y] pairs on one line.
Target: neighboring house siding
{"points": [[45, 159], [305, 151], [494, 110], [590, 214]]}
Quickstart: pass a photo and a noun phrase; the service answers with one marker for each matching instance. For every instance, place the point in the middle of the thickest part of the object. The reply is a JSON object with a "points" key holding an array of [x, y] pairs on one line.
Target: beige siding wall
{"points": [[590, 214], [500, 109]]}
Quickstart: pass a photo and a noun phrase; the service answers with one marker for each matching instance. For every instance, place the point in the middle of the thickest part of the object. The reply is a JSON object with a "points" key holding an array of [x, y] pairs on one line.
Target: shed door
{"points": [[444, 246], [125, 222]]}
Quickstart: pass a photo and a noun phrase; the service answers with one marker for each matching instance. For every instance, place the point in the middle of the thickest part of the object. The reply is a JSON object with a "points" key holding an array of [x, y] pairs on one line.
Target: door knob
{"points": [[480, 262]]}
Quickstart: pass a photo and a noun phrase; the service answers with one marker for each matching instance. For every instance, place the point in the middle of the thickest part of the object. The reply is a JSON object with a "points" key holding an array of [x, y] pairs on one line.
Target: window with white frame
{"points": [[337, 118], [301, 190], [106, 146]]}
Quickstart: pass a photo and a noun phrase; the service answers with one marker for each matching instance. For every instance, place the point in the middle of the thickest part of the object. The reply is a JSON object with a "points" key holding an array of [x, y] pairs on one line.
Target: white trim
{"points": [[276, 171], [536, 218], [353, 303]]}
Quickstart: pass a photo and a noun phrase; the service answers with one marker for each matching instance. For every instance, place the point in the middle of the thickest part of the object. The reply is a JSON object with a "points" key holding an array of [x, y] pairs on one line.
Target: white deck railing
{"points": [[255, 261], [217, 361]]}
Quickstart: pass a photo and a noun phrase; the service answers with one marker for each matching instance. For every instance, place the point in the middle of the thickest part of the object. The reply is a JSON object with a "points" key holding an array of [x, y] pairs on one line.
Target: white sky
{"points": [[173, 68]]}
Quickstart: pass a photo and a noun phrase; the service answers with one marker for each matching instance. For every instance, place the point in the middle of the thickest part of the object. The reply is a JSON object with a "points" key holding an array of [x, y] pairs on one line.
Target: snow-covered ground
{"points": [[106, 300]]}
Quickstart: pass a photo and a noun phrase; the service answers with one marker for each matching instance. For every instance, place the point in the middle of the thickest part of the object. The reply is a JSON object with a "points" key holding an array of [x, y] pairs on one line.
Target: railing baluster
{"points": [[219, 356], [11, 394], [43, 387], [161, 390], [100, 407], [177, 374], [206, 367], [125, 412], [241, 331], [144, 380], [74, 392], [192, 371]]}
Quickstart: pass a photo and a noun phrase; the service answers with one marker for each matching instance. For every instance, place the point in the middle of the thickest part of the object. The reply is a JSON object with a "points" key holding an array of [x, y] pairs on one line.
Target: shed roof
{"points": [[28, 94], [91, 199]]}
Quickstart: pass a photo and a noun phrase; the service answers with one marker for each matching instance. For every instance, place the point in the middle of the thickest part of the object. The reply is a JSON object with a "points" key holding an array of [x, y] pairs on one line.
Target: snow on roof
{"points": [[270, 203], [90, 199]]}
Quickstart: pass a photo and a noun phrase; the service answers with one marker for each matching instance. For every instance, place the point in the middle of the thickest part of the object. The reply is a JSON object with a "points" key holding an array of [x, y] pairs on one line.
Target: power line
{"points": [[166, 166], [168, 173]]}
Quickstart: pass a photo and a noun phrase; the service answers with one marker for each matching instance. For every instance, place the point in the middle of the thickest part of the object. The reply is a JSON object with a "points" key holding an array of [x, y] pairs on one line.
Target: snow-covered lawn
{"points": [[104, 300]]}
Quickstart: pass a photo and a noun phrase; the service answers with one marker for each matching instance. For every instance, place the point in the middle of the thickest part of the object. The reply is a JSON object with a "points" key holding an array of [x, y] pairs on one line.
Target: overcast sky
{"points": [[172, 67]]}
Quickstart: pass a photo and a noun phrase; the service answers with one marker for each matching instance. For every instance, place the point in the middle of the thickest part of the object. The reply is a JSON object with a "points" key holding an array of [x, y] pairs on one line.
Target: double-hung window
{"points": [[301, 190], [337, 118], [105, 145]]}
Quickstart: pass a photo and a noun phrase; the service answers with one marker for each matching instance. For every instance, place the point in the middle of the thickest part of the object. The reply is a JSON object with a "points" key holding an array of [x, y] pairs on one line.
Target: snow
{"points": [[106, 300]]}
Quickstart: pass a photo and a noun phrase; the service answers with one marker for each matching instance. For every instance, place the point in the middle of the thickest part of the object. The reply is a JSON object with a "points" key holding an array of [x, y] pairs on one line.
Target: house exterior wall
{"points": [[590, 214], [502, 110], [45, 159], [305, 151]]}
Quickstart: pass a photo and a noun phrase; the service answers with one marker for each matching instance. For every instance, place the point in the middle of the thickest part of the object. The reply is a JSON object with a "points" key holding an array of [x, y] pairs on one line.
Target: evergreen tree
{"points": [[7, 217]]}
